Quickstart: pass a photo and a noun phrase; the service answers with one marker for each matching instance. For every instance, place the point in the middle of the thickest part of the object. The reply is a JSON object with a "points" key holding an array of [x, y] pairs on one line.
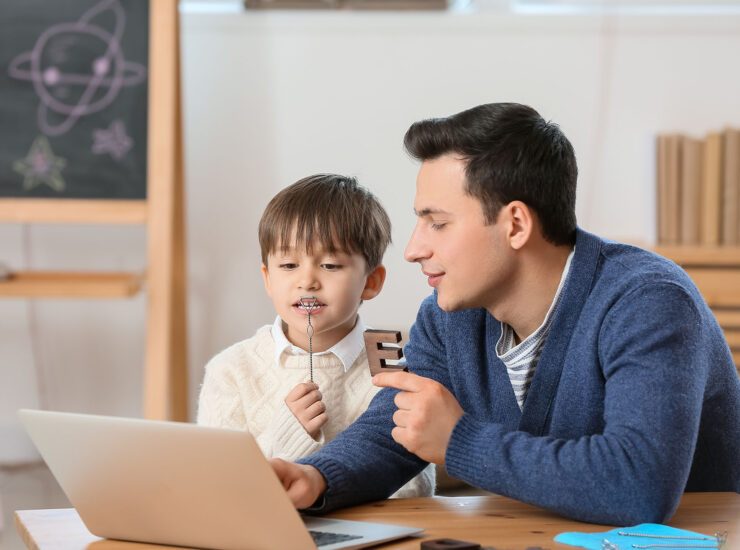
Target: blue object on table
{"points": [[594, 541]]}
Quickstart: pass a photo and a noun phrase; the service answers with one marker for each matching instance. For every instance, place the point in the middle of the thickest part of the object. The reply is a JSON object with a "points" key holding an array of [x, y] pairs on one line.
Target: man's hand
{"points": [[304, 401], [304, 484], [427, 413]]}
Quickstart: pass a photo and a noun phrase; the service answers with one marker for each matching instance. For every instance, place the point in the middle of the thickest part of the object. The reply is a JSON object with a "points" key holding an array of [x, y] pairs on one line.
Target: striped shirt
{"points": [[521, 360]]}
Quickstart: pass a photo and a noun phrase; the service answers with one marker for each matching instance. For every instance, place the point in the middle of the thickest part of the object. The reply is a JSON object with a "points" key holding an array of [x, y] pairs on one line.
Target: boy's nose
{"points": [[308, 280]]}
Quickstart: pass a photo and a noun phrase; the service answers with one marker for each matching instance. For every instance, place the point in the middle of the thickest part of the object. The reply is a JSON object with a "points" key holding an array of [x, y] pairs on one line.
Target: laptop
{"points": [[182, 484]]}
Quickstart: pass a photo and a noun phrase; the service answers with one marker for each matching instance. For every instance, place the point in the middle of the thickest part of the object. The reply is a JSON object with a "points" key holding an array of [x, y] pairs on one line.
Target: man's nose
{"points": [[416, 249]]}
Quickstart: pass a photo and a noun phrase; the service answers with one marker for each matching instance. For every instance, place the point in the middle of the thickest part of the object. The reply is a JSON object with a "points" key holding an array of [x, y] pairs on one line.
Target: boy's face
{"points": [[338, 281]]}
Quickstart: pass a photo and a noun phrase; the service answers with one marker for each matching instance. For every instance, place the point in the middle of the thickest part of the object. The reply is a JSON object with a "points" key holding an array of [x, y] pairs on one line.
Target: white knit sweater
{"points": [[243, 389]]}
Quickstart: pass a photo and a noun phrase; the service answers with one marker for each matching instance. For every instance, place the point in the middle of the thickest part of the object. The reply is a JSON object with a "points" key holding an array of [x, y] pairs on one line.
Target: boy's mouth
{"points": [[308, 305]]}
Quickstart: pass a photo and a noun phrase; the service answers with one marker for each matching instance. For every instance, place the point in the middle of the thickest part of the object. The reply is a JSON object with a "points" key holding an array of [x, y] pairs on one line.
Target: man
{"points": [[551, 366]]}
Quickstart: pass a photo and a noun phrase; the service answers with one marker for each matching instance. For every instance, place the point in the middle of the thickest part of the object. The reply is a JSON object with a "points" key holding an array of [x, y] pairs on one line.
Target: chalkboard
{"points": [[73, 98]]}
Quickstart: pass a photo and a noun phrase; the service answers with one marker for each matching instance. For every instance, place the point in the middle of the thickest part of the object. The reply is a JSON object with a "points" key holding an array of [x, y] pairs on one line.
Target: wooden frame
{"points": [[165, 376], [165, 379]]}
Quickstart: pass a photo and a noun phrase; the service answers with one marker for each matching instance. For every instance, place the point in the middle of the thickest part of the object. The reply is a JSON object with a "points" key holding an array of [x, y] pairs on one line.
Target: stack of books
{"points": [[698, 184]]}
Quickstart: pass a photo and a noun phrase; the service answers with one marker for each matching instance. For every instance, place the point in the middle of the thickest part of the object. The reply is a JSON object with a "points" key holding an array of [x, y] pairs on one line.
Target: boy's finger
{"points": [[316, 423], [315, 409], [400, 380], [300, 390], [310, 398]]}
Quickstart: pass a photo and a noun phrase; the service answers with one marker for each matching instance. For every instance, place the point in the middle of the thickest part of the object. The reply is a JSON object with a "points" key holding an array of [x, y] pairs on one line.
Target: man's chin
{"points": [[447, 305]]}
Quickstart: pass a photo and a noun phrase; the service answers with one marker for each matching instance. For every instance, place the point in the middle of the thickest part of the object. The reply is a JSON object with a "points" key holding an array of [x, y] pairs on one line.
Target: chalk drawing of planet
{"points": [[78, 68]]}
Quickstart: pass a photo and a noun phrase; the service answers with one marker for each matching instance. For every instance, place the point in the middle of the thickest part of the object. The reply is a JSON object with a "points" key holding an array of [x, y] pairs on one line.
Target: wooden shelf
{"points": [[57, 284], [733, 339], [714, 256], [728, 318], [73, 211]]}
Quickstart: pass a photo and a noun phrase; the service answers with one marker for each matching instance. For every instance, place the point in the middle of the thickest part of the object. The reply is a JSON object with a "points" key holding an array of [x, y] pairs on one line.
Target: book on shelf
{"points": [[661, 188], [731, 188], [711, 204], [672, 199], [698, 189], [691, 174]]}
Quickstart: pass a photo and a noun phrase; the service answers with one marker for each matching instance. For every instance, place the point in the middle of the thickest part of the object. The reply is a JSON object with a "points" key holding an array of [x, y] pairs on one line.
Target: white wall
{"points": [[272, 97]]}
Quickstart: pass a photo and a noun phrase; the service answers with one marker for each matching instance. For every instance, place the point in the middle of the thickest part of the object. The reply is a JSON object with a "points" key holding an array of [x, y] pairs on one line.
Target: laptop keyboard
{"points": [[322, 538]]}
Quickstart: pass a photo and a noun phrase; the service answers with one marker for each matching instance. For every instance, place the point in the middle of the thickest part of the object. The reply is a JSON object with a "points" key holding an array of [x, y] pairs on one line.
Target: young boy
{"points": [[322, 241]]}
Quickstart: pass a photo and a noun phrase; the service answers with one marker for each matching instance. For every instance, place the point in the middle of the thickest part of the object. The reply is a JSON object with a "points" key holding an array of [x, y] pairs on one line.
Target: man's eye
{"points": [[437, 226], [331, 267]]}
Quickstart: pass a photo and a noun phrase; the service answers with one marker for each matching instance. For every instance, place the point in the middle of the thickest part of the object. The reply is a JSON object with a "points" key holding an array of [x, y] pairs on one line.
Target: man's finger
{"points": [[400, 419], [398, 436], [403, 400], [282, 469], [400, 380]]}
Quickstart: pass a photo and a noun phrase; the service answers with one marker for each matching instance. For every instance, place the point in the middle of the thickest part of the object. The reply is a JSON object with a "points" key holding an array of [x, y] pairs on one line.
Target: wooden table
{"points": [[489, 520]]}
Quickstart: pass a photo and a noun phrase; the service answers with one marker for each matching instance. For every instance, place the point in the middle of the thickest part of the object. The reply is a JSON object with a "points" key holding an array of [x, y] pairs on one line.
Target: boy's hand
{"points": [[304, 484], [304, 401], [427, 413]]}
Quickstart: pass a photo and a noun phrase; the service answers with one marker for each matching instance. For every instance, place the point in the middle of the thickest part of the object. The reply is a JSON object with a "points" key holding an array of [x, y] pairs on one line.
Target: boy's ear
{"points": [[374, 283], [266, 279]]}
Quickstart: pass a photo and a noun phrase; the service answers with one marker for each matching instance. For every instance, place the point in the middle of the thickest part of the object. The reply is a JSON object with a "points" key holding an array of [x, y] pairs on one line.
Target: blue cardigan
{"points": [[635, 400]]}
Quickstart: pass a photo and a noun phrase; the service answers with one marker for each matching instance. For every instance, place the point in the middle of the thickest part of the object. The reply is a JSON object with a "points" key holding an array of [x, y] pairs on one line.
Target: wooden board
{"points": [[51, 284]]}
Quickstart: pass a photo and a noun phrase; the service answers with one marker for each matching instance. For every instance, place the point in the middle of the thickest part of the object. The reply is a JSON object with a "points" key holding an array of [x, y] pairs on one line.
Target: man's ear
{"points": [[373, 283], [266, 279], [519, 223]]}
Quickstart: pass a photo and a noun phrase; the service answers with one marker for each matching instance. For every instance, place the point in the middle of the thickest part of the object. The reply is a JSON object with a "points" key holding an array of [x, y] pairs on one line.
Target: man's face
{"points": [[338, 281], [466, 260]]}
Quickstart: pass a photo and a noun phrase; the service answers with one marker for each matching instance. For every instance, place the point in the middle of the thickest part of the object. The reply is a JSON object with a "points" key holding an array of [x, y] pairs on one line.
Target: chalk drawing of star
{"points": [[41, 166], [113, 140]]}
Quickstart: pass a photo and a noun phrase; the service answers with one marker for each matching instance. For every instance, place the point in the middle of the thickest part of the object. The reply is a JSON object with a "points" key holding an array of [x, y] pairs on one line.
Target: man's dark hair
{"points": [[511, 153], [329, 210]]}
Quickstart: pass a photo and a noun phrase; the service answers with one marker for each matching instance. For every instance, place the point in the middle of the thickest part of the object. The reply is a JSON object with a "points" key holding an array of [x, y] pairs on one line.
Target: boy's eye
{"points": [[331, 267], [288, 265]]}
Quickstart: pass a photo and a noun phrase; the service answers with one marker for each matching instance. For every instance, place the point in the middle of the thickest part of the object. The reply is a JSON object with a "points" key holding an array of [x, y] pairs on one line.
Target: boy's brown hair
{"points": [[329, 210]]}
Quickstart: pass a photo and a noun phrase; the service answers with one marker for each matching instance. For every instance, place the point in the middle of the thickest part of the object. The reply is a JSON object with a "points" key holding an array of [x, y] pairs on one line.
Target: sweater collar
{"points": [[347, 350], [577, 288]]}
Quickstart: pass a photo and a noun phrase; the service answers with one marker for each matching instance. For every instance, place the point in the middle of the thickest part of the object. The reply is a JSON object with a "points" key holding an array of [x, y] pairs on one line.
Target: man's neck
{"points": [[524, 309]]}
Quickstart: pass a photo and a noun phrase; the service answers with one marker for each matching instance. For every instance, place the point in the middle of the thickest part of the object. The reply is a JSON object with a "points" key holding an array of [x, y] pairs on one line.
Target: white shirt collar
{"points": [[347, 350]]}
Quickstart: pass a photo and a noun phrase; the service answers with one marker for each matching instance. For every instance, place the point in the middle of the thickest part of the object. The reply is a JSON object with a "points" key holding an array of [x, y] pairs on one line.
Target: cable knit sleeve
{"points": [[219, 404], [290, 440]]}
